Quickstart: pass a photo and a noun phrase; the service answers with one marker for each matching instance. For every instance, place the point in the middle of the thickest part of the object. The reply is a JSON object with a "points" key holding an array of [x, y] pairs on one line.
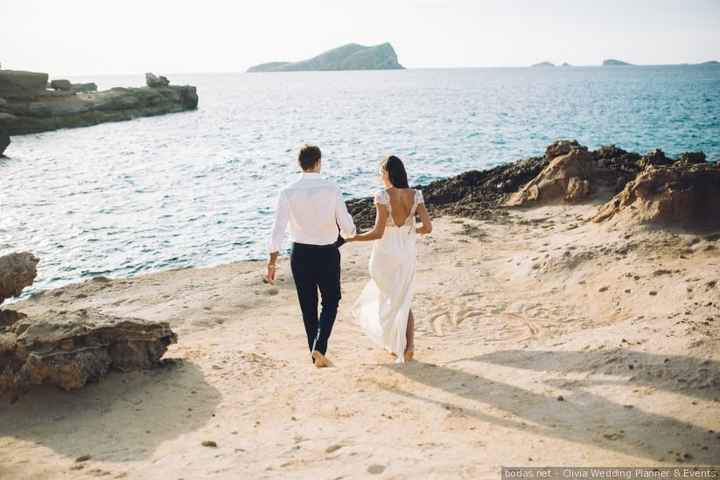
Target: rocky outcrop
{"points": [[576, 175], [655, 158], [19, 85], [566, 178], [153, 81], [84, 87], [473, 194], [17, 271], [4, 141], [347, 57], [61, 85], [685, 195], [691, 158], [27, 106], [45, 110], [70, 349]]}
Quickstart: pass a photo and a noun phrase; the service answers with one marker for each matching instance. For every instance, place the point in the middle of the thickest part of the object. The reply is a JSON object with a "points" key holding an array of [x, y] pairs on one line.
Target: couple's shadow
{"points": [[583, 417]]}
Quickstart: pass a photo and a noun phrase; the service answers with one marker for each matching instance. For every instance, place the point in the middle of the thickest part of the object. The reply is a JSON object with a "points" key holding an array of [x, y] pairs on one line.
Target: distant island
{"points": [[544, 64], [565, 64], [711, 62], [611, 62], [348, 57]]}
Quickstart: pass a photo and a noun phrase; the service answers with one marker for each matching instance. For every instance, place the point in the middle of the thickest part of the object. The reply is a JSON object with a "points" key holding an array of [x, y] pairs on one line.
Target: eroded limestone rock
{"points": [[566, 178], [17, 271], [677, 195], [70, 349]]}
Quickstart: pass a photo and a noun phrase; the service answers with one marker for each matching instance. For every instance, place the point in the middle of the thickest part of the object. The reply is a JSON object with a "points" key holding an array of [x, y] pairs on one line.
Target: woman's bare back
{"points": [[402, 201]]}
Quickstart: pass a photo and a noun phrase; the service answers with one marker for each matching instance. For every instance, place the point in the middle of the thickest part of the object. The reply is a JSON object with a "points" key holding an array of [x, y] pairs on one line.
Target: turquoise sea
{"points": [[198, 188]]}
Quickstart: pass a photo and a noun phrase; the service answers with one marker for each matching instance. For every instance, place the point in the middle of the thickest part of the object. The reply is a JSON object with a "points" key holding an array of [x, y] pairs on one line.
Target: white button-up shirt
{"points": [[314, 209]]}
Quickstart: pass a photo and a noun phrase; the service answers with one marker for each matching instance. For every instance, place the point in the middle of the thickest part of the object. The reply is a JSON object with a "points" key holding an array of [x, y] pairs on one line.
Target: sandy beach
{"points": [[542, 339]]}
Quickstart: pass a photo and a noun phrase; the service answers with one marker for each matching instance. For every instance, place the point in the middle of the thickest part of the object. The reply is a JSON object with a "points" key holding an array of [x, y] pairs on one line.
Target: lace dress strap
{"points": [[382, 198]]}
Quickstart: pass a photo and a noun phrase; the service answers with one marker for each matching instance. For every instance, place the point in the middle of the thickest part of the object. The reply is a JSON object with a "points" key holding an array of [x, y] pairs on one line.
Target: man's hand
{"points": [[270, 277], [271, 268]]}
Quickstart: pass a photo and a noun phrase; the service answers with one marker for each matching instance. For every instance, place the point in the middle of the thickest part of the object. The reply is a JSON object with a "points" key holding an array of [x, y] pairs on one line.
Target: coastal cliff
{"points": [[348, 57], [27, 106]]}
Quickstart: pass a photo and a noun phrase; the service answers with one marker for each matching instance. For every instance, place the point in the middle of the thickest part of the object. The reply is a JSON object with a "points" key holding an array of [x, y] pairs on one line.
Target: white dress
{"points": [[384, 304]]}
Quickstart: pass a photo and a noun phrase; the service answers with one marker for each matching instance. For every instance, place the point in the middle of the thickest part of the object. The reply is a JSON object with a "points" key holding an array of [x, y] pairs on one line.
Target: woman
{"points": [[383, 309]]}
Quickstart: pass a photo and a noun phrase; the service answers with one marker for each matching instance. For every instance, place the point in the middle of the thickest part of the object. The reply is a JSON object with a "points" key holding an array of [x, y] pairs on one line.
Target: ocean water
{"points": [[198, 188]]}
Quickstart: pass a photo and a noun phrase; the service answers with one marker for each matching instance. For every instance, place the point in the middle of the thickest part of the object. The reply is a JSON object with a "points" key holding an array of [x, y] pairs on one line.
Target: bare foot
{"points": [[409, 355], [320, 360]]}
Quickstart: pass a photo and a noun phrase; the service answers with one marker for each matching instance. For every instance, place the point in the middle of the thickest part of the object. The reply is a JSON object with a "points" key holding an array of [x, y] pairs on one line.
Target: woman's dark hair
{"points": [[396, 171]]}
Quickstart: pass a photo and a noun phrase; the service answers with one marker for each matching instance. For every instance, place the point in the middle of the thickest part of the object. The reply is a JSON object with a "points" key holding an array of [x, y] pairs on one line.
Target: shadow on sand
{"points": [[123, 418], [583, 417]]}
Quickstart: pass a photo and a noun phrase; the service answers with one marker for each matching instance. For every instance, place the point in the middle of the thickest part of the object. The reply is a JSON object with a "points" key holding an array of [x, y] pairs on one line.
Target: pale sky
{"points": [[181, 36]]}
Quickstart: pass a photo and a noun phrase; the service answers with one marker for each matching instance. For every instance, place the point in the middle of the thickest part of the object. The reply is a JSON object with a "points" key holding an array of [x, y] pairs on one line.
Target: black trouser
{"points": [[317, 268]]}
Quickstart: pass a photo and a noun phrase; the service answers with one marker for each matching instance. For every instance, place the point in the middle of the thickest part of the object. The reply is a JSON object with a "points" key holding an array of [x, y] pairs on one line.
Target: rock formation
{"points": [[68, 349], [544, 64], [347, 57], [576, 175], [64, 85], [4, 140], [15, 84], [682, 194], [17, 271], [30, 108], [84, 87], [153, 81], [567, 178]]}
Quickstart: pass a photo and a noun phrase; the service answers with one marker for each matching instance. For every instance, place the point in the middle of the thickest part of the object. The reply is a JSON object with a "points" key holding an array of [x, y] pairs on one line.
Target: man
{"points": [[314, 209]]}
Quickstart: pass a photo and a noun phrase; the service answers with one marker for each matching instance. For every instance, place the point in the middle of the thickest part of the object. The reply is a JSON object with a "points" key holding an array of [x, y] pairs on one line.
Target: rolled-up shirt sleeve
{"points": [[343, 217], [282, 214]]}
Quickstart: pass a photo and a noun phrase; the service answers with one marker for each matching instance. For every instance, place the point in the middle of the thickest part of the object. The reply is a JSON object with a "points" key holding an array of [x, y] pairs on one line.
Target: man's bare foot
{"points": [[320, 360], [409, 355]]}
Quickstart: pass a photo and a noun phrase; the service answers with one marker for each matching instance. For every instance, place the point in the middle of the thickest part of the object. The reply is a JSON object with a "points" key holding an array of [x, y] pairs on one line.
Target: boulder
{"points": [[84, 87], [676, 195], [17, 271], [15, 84], [64, 85], [153, 81], [70, 349], [691, 158], [4, 142], [656, 158], [566, 178], [560, 147]]}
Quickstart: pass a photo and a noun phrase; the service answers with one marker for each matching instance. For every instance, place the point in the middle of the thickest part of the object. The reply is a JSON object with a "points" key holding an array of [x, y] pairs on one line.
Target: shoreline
{"points": [[473, 194]]}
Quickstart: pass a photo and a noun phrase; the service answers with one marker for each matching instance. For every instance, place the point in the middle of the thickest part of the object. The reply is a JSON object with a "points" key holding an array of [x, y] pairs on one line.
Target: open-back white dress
{"points": [[384, 304]]}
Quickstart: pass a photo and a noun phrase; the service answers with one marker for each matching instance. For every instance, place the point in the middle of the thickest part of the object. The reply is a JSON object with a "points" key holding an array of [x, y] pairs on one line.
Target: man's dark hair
{"points": [[309, 156]]}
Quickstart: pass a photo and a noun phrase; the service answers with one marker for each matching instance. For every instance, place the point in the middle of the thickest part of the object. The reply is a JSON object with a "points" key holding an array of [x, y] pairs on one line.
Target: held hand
{"points": [[270, 277]]}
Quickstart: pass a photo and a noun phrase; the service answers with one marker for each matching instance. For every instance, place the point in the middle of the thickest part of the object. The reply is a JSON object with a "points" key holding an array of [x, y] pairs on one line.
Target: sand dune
{"points": [[544, 339]]}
